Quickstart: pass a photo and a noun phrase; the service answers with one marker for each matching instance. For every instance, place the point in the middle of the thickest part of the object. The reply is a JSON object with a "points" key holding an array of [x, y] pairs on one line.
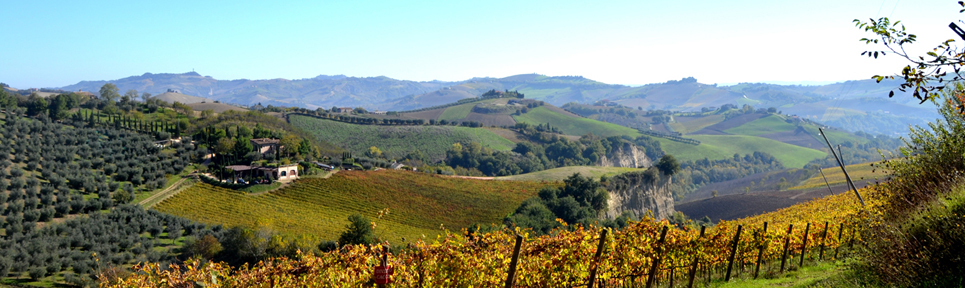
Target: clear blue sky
{"points": [[57, 43]]}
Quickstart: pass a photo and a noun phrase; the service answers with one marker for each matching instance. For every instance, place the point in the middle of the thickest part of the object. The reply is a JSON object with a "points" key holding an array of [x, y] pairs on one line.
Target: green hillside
{"points": [[418, 204], [770, 124], [398, 141], [725, 146], [573, 125], [457, 112], [558, 174]]}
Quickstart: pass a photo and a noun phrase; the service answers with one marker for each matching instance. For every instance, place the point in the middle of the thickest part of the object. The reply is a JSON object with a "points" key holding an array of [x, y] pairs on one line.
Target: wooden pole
{"points": [[693, 268], [596, 259], [846, 176], [760, 252], [824, 238], [840, 233], [656, 262], [787, 244], [733, 252], [804, 249], [511, 278]]}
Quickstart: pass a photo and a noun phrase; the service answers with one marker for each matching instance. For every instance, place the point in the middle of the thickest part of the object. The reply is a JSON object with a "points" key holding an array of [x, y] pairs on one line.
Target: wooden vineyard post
{"points": [[596, 258], [854, 233], [840, 233], [787, 244], [693, 268], [733, 252], [511, 278], [651, 278], [760, 252], [804, 249], [824, 238]]}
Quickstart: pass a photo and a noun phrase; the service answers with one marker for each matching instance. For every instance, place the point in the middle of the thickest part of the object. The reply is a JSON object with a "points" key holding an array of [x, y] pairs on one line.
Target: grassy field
{"points": [[398, 141], [834, 136], [725, 146], [695, 124], [574, 125], [456, 112], [857, 172], [766, 125], [418, 204], [561, 173]]}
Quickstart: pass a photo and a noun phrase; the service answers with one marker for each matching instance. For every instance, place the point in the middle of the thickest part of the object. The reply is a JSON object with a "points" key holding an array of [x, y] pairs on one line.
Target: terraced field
{"points": [[418, 204], [724, 146], [574, 125], [398, 141]]}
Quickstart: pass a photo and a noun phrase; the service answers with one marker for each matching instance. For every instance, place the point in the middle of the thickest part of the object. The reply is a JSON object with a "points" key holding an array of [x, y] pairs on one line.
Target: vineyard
{"points": [[644, 251], [399, 141], [418, 203]]}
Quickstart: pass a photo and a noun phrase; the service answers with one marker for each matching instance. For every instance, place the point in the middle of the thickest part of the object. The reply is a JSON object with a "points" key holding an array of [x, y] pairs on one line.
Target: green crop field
{"points": [[574, 125], [419, 204], [557, 174], [766, 125], [695, 124], [834, 136], [725, 146], [399, 141], [863, 171], [457, 112]]}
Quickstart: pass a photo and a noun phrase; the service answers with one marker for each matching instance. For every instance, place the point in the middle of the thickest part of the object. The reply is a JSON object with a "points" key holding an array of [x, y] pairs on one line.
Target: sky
{"points": [[58, 43]]}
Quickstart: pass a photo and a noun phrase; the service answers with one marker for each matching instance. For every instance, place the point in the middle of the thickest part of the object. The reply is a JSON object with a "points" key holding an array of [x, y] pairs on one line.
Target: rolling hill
{"points": [[419, 204], [398, 141], [172, 97], [860, 105]]}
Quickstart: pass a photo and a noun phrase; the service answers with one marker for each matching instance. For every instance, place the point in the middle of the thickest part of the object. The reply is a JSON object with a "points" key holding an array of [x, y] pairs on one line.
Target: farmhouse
{"points": [[282, 173], [266, 145]]}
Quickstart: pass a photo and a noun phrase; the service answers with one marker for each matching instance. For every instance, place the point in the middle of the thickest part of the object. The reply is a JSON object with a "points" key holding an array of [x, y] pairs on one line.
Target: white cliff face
{"points": [[627, 155], [640, 193]]}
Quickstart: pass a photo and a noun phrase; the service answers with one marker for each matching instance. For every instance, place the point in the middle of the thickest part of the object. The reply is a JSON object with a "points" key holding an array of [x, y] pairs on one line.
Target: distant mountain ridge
{"points": [[854, 105], [321, 91]]}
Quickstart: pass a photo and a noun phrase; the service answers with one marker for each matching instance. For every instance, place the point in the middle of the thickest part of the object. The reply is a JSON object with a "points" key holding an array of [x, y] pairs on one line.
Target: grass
{"points": [[557, 174], [835, 176], [419, 204], [399, 141], [766, 125], [457, 112], [818, 274], [171, 179], [697, 124], [715, 147], [834, 136], [574, 125]]}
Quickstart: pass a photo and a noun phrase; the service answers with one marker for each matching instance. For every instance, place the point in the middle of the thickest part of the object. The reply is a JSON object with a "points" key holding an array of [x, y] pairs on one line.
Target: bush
{"points": [[358, 231], [918, 240]]}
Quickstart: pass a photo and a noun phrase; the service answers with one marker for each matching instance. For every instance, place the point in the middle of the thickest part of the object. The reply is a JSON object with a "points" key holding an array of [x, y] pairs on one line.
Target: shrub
{"points": [[918, 240], [358, 231]]}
